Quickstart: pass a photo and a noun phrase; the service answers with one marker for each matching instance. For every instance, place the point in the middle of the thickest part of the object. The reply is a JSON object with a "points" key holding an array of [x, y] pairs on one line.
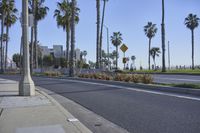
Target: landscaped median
{"points": [[135, 78]]}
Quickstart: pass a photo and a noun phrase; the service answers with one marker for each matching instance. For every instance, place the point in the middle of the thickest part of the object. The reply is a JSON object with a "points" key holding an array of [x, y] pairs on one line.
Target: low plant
{"points": [[146, 79]]}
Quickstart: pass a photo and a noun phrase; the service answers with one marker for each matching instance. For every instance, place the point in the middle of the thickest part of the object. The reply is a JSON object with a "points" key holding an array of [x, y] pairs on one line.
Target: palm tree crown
{"points": [[155, 51], [192, 21], [41, 10], [116, 39], [150, 30], [64, 13]]}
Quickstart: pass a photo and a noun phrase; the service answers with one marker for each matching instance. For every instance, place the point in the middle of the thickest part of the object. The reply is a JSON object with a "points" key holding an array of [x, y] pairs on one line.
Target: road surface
{"points": [[168, 78], [134, 110]]}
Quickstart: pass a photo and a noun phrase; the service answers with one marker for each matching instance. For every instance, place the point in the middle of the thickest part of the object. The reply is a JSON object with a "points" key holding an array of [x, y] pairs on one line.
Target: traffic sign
{"points": [[124, 48]]}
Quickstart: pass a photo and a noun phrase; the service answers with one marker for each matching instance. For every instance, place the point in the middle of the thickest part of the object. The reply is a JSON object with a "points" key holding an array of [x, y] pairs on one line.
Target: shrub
{"points": [[127, 78], [146, 79], [119, 77], [52, 74], [135, 78]]}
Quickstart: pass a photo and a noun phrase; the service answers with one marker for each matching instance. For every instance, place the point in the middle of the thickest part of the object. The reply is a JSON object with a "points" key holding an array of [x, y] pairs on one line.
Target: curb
{"points": [[82, 128]]}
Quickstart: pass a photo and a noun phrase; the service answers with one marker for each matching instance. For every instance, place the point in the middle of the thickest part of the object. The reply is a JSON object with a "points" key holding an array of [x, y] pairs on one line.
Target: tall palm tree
{"points": [[31, 11], [10, 19], [72, 62], [3, 10], [116, 39], [155, 51], [39, 13], [63, 17], [101, 33], [98, 31], [163, 36], [192, 22], [150, 31]]}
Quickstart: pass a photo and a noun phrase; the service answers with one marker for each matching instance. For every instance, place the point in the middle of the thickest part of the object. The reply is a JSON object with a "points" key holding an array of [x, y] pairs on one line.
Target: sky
{"points": [[129, 17]]}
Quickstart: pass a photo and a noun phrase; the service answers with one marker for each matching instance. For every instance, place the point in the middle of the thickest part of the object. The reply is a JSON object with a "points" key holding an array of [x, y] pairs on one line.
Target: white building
{"points": [[56, 51], [45, 50]]}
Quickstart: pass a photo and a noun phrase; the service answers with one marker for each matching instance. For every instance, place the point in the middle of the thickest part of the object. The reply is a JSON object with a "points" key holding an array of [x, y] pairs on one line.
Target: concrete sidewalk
{"points": [[38, 114]]}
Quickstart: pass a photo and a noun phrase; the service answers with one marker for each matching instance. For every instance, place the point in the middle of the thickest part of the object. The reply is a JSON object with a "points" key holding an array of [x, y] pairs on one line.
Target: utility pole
{"points": [[169, 56], [26, 85]]}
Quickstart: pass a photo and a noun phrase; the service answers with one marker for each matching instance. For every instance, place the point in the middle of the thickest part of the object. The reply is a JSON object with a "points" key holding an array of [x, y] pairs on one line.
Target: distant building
{"points": [[45, 50], [56, 51]]}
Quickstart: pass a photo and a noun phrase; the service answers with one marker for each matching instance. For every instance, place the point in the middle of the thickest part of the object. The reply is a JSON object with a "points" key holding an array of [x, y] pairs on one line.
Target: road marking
{"points": [[178, 79], [134, 89]]}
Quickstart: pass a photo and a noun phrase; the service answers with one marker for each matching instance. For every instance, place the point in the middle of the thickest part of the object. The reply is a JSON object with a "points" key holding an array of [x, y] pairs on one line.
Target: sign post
{"points": [[124, 48]]}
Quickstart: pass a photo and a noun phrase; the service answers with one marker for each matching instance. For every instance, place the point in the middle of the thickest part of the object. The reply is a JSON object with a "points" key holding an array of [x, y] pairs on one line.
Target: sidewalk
{"points": [[38, 114]]}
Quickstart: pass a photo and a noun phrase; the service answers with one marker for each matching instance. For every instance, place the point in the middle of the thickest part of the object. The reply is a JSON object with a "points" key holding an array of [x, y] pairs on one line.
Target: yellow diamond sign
{"points": [[124, 48]]}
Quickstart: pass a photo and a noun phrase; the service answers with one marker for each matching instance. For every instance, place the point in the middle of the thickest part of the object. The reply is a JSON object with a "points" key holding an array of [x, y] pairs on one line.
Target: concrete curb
{"points": [[82, 128]]}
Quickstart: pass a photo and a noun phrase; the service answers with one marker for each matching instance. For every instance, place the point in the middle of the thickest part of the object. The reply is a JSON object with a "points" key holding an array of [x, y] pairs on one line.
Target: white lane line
{"points": [[176, 79], [134, 89]]}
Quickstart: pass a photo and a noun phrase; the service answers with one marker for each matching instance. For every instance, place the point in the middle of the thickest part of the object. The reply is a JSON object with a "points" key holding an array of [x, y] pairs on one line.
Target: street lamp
{"points": [[108, 46], [26, 85]]}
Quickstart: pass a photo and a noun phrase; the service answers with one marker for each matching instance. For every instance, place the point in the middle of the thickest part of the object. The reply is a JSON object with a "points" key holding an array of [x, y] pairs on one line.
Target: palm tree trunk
{"points": [[116, 57], [6, 54], [98, 29], [192, 49], [101, 33], [35, 46], [32, 50], [149, 60], [154, 60], [32, 39], [72, 63], [67, 44], [2, 31], [20, 59], [35, 33], [163, 37]]}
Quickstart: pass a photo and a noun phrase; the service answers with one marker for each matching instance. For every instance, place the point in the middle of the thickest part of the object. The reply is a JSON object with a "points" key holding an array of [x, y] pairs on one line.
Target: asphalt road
{"points": [[168, 78], [133, 110]]}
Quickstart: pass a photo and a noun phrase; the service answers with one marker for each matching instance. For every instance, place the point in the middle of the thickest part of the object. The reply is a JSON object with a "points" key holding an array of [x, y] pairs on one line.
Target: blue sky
{"points": [[128, 17]]}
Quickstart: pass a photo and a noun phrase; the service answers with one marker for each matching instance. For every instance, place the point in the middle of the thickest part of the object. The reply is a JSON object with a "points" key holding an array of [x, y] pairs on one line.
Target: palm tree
{"points": [[116, 39], [63, 17], [39, 13], [31, 11], [155, 51], [10, 19], [150, 31], [4, 39], [98, 30], [3, 10], [192, 22], [101, 33], [163, 36], [72, 62]]}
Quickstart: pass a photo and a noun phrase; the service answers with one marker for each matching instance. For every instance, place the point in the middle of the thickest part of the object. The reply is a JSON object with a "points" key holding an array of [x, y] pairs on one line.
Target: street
{"points": [[168, 78], [135, 111]]}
